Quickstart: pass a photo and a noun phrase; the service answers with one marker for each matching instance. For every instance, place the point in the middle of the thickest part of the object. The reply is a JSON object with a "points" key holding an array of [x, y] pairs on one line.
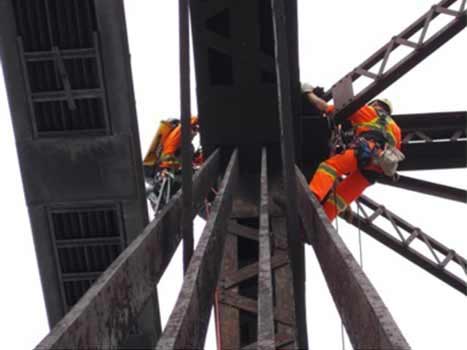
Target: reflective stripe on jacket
{"points": [[368, 118]]}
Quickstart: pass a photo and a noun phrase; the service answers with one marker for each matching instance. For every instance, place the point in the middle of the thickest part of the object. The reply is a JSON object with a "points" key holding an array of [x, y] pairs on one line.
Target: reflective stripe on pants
{"points": [[347, 191]]}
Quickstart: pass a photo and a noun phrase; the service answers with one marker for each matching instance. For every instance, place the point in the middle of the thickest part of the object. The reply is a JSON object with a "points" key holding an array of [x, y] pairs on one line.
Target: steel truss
{"points": [[106, 313], [439, 257], [427, 136], [342, 92]]}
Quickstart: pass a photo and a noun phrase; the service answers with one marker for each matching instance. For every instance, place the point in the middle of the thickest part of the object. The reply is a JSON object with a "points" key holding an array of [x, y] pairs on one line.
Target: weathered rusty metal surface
{"points": [[433, 259], [284, 93], [283, 341], [265, 292], [367, 320], [283, 291], [247, 232], [251, 306], [187, 325], [101, 319], [278, 260], [228, 322], [187, 155]]}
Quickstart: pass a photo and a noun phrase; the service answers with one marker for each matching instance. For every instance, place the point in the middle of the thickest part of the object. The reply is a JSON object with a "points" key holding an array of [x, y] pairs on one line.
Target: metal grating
{"points": [[87, 259], [87, 241], [55, 116], [64, 23], [74, 290], [87, 223], [58, 43]]}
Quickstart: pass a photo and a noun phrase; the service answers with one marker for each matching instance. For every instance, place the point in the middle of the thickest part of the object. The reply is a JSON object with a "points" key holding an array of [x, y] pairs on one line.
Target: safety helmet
{"points": [[383, 102]]}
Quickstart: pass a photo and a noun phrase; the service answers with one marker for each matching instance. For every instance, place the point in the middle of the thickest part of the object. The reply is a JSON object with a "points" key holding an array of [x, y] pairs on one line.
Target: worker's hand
{"points": [[306, 88]]}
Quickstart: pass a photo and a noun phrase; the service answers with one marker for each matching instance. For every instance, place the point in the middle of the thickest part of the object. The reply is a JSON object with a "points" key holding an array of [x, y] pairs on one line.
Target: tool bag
{"points": [[389, 160]]}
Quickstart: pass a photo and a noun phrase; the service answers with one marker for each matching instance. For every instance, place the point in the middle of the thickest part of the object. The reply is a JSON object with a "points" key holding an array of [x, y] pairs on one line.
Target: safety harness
{"points": [[375, 144]]}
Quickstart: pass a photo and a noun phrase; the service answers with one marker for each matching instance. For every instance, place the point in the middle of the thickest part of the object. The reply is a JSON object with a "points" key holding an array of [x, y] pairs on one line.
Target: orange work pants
{"points": [[348, 190]]}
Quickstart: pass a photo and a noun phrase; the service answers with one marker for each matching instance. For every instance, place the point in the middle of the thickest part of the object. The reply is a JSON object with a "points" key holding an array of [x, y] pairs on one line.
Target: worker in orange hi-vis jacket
{"points": [[170, 157], [162, 164], [374, 152]]}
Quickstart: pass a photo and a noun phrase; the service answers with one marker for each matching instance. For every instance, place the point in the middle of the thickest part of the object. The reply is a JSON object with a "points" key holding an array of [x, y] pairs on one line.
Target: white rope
{"points": [[337, 230], [360, 247]]}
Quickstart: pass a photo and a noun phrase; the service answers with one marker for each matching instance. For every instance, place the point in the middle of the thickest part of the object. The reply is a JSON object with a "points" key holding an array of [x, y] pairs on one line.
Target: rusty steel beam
{"points": [[283, 291], [385, 77], [104, 315], [265, 293], [435, 264], [296, 248], [247, 232], [283, 341], [427, 187], [228, 317], [187, 325], [251, 270], [185, 115], [368, 322], [250, 305]]}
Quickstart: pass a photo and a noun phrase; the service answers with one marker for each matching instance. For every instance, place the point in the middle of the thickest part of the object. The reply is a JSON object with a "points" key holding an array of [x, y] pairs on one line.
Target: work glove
{"points": [[319, 91], [306, 88]]}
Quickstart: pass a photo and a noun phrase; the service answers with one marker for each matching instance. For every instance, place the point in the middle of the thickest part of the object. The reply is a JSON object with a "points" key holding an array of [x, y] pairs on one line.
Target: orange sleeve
{"points": [[173, 141], [396, 131], [330, 109], [364, 114]]}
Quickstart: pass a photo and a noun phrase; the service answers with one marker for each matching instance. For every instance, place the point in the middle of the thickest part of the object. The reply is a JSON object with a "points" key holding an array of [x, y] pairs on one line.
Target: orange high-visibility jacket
{"points": [[366, 119], [174, 139], [171, 145]]}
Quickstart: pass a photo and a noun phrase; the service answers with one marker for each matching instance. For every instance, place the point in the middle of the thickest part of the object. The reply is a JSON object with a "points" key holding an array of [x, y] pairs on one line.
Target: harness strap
{"points": [[379, 126]]}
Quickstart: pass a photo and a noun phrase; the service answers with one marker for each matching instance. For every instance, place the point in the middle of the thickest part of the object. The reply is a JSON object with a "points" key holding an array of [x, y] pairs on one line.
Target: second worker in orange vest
{"points": [[374, 131], [170, 157]]}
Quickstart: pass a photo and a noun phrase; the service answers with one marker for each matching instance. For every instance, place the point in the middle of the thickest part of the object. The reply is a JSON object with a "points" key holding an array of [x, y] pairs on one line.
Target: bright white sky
{"points": [[335, 36]]}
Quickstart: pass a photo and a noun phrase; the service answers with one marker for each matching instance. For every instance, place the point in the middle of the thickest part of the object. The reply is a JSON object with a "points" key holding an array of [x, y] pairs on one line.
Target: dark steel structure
{"points": [[68, 76]]}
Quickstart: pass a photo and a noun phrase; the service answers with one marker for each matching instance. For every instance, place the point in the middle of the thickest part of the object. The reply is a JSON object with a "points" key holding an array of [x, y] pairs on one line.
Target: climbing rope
{"points": [[337, 230], [360, 247]]}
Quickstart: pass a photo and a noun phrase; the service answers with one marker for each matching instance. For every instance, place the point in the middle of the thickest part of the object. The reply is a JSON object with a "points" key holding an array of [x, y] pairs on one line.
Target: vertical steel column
{"points": [[187, 170], [188, 323], [265, 303], [296, 249], [228, 331], [368, 322]]}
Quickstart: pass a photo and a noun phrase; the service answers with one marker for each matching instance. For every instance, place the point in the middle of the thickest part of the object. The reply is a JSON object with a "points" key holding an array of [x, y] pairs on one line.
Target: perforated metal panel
{"points": [[60, 57], [86, 242]]}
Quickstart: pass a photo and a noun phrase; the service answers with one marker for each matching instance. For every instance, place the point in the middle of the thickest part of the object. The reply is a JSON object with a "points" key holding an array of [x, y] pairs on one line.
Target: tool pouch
{"points": [[389, 160]]}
